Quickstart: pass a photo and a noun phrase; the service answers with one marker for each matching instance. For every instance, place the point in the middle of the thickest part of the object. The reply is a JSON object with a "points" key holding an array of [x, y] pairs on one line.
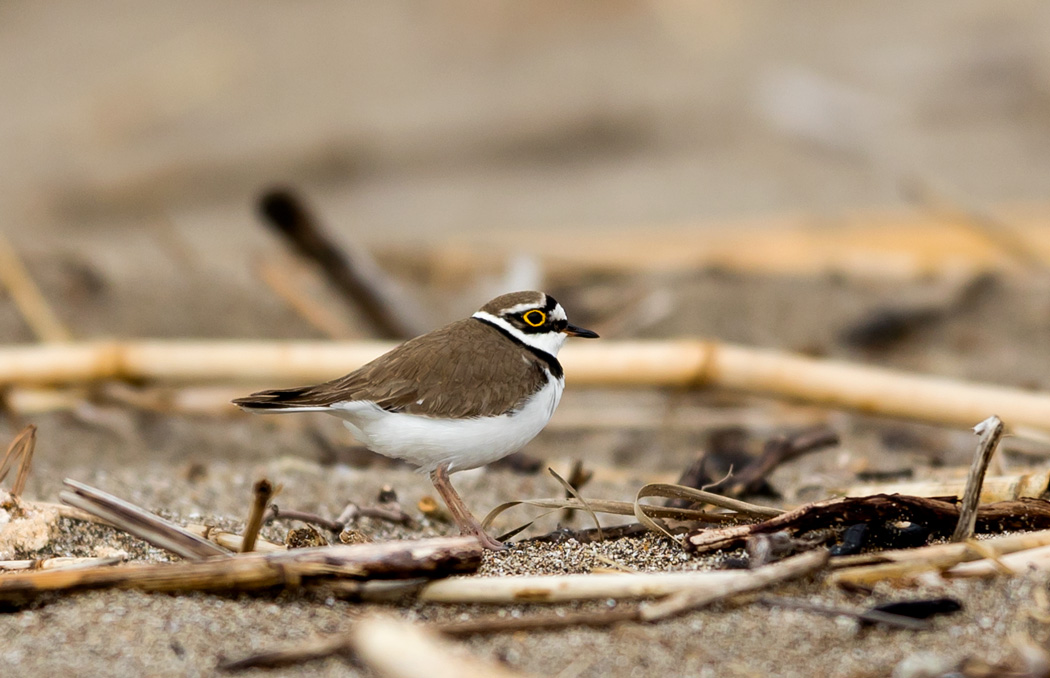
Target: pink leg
{"points": [[468, 524]]}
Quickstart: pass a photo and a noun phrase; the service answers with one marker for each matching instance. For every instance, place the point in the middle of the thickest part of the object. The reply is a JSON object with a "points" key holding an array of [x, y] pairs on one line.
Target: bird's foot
{"points": [[475, 530]]}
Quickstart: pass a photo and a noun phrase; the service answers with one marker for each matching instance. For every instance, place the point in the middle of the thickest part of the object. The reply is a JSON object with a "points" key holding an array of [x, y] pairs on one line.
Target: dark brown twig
{"points": [[990, 431], [350, 270], [870, 616], [778, 450], [391, 513], [277, 513], [298, 654], [263, 492]]}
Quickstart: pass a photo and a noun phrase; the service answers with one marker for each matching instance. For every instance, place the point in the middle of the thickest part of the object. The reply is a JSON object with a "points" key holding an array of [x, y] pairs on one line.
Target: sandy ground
{"points": [[200, 469], [136, 140]]}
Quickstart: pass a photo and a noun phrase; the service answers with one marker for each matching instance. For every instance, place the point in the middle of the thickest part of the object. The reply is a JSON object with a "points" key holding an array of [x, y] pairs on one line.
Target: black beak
{"points": [[574, 331]]}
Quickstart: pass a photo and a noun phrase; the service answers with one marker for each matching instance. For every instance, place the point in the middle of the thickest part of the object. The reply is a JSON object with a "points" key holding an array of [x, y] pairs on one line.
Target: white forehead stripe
{"points": [[525, 307], [558, 313]]}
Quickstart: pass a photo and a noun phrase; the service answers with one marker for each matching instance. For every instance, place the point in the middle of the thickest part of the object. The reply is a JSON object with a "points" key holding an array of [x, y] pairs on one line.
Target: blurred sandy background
{"points": [[130, 130]]}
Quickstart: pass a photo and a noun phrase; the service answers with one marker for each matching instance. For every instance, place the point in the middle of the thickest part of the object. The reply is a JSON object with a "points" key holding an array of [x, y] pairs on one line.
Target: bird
{"points": [[453, 399]]}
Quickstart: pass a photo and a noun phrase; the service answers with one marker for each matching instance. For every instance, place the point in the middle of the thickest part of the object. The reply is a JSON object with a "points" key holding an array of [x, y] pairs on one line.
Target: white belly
{"points": [[461, 443]]}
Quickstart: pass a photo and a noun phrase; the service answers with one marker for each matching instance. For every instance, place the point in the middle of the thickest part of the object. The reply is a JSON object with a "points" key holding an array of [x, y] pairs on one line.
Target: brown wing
{"points": [[440, 374]]}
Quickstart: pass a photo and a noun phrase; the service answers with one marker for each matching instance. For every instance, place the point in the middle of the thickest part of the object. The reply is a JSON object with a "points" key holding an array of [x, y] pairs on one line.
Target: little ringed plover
{"points": [[454, 399]]}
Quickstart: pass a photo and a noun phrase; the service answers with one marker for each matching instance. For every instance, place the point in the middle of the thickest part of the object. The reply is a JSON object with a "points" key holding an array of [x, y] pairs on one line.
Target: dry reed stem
{"points": [[28, 298], [906, 564], [231, 541], [282, 281], [684, 363], [753, 580], [57, 563], [990, 431], [251, 571], [894, 244], [1037, 559], [569, 587]]}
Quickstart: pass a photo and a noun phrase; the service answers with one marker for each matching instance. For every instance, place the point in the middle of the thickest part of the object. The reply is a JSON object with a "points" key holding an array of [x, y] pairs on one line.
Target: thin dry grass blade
{"points": [[28, 298], [572, 490], [21, 448]]}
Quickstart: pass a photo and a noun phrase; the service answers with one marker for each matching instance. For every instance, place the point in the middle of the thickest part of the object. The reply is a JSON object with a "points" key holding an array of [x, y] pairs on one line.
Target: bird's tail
{"points": [[281, 400]]}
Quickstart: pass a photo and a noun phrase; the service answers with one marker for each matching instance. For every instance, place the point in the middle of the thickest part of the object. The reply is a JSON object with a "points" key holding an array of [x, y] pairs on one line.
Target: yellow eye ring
{"points": [[530, 317]]}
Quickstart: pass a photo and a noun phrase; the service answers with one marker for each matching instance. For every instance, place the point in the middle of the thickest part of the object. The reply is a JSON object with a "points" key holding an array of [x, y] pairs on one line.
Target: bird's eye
{"points": [[535, 317]]}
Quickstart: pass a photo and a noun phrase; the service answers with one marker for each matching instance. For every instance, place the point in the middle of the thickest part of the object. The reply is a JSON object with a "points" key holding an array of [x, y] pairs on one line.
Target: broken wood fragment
{"points": [[137, 521], [262, 492], [990, 431]]}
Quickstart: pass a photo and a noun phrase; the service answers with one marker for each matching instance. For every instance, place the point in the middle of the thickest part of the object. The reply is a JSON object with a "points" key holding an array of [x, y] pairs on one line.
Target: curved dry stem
{"points": [[618, 508], [672, 491]]}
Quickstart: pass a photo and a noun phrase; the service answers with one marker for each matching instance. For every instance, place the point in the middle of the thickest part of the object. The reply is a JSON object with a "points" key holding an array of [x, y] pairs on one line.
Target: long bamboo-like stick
{"points": [[684, 363], [247, 571], [568, 587]]}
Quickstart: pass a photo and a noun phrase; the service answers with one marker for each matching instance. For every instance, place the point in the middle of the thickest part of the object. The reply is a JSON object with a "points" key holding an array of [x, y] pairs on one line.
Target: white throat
{"points": [[548, 342]]}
